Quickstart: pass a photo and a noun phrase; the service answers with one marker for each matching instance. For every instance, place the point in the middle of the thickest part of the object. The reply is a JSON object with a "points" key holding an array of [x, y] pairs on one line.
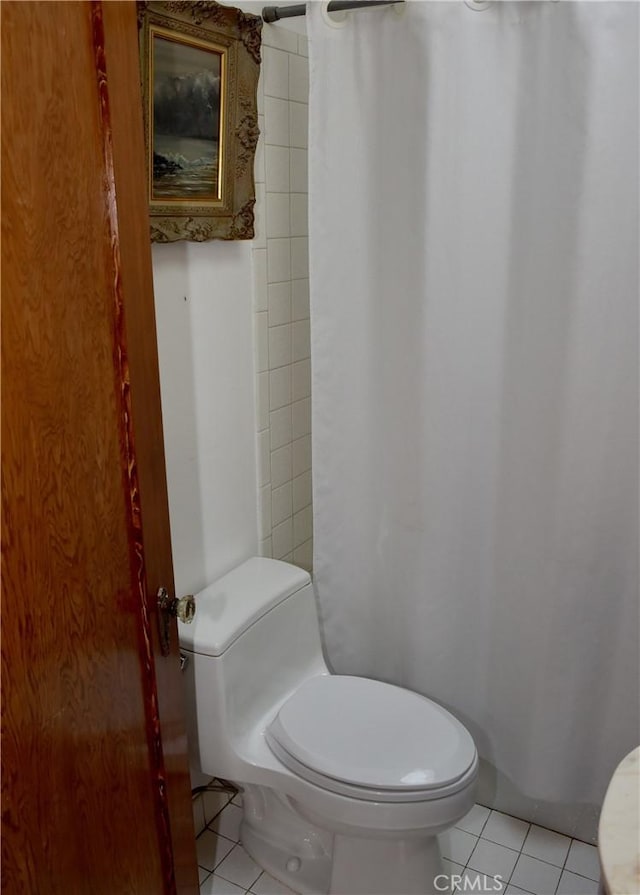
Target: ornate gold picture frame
{"points": [[200, 66]]}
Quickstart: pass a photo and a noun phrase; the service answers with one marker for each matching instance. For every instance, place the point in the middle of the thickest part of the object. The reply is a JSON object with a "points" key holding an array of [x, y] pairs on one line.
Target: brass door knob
{"points": [[185, 608], [169, 607]]}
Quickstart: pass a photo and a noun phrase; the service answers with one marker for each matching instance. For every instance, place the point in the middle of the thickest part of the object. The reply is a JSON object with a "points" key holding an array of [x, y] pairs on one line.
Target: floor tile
{"points": [[583, 860], [211, 849], [535, 876], [239, 868], [203, 873], [456, 845], [267, 885], [213, 802], [505, 830], [514, 890], [572, 884], [546, 845], [227, 823], [474, 821], [216, 885], [493, 859], [451, 869]]}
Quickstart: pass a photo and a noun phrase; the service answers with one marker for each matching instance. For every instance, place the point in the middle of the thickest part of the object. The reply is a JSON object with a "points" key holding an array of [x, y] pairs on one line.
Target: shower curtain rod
{"points": [[273, 13]]}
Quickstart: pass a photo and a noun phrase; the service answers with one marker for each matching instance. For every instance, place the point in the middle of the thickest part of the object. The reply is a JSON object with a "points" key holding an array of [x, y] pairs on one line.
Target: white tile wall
{"points": [[281, 302]]}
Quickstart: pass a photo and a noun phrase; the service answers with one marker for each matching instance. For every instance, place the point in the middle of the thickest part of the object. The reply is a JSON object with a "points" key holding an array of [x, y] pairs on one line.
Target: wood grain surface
{"points": [[84, 779], [127, 140]]}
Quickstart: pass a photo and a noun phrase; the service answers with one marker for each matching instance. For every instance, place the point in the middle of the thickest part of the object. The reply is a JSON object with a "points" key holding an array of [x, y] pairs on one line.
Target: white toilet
{"points": [[347, 781]]}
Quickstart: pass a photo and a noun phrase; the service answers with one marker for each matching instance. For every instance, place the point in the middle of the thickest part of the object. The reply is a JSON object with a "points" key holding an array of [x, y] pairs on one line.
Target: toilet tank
{"points": [[254, 639]]}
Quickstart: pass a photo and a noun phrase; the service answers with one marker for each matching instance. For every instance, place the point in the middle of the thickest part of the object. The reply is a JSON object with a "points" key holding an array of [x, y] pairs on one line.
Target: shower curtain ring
{"points": [[329, 18], [478, 5]]}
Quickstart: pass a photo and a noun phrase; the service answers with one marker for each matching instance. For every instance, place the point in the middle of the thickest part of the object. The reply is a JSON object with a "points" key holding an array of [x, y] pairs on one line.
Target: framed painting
{"points": [[200, 66]]}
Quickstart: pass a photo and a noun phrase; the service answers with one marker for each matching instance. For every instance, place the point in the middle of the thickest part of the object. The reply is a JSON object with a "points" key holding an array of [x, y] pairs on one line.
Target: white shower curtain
{"points": [[474, 304]]}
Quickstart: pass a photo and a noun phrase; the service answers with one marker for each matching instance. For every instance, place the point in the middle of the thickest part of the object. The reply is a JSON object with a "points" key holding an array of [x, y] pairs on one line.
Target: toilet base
{"points": [[287, 845], [311, 860], [387, 867]]}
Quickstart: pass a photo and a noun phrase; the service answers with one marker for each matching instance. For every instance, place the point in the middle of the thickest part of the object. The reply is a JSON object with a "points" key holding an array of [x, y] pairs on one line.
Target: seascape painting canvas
{"points": [[186, 126], [199, 66]]}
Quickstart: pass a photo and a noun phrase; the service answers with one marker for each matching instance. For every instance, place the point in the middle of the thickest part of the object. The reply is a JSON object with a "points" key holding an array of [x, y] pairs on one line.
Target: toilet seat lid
{"points": [[372, 735]]}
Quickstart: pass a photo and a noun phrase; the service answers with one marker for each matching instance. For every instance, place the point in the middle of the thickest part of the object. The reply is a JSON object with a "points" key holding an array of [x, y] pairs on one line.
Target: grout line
{"points": [[534, 824], [502, 845], [566, 858], [238, 884], [543, 861], [486, 820], [519, 850]]}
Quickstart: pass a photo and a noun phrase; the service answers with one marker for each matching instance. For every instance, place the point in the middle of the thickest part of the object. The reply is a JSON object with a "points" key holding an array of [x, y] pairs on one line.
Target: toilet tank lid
{"points": [[226, 608]]}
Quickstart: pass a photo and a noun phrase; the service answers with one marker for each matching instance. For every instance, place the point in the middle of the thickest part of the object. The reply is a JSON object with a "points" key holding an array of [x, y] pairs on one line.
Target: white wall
{"points": [[204, 308], [208, 298]]}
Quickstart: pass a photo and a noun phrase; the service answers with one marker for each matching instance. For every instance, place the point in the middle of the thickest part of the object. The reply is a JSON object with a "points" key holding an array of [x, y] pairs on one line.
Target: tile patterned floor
{"points": [[530, 860]]}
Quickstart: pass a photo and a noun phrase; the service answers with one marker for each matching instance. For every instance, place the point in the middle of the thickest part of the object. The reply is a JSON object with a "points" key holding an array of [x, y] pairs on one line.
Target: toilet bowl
{"points": [[347, 781]]}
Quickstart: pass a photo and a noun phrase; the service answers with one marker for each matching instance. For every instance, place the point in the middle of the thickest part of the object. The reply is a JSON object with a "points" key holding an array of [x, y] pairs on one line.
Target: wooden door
{"points": [[95, 786]]}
